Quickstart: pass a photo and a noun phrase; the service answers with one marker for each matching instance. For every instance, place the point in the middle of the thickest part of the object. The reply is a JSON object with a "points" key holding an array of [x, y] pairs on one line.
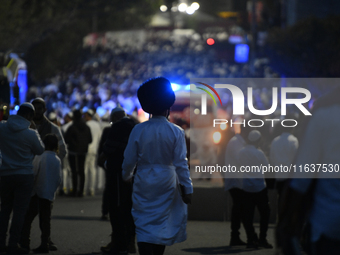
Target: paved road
{"points": [[76, 229]]}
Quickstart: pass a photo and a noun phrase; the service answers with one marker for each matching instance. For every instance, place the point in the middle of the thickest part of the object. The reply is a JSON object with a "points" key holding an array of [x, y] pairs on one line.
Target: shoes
{"points": [[236, 242], [263, 243], [106, 248], [52, 246], [41, 249], [16, 249], [252, 245]]}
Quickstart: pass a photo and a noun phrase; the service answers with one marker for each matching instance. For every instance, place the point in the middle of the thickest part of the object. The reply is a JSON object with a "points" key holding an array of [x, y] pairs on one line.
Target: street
{"points": [[77, 229]]}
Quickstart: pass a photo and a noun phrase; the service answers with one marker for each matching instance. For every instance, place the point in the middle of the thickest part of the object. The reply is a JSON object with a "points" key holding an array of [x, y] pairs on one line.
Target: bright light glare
{"points": [[187, 87], [195, 6], [190, 10], [174, 8], [192, 86], [210, 41], [16, 107], [217, 137], [223, 126], [163, 8], [175, 86], [182, 7]]}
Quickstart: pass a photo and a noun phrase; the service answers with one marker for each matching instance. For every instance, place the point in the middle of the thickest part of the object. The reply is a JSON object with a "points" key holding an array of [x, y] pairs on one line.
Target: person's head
{"points": [[254, 138], [156, 96], [245, 130], [51, 142], [88, 114], [40, 108], [117, 114], [26, 111], [53, 118], [77, 115], [68, 117]]}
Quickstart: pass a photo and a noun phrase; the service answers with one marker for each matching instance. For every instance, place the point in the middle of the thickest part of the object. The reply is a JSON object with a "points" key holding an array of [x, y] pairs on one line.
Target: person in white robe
{"points": [[158, 151]]}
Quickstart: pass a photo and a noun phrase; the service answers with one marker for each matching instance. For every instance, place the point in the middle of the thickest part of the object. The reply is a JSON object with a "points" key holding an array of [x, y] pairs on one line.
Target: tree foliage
{"points": [[50, 32], [311, 48]]}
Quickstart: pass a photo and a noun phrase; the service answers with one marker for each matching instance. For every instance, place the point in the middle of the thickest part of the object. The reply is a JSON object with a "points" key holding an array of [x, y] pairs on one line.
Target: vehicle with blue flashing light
{"points": [[13, 83]]}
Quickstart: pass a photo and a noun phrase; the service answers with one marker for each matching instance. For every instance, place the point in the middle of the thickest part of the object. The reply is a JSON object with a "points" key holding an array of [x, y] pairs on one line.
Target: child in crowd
{"points": [[47, 170]]}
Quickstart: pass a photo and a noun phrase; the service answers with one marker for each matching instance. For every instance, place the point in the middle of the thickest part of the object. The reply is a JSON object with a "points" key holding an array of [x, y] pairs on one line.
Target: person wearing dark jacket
{"points": [[78, 137], [19, 144], [119, 193]]}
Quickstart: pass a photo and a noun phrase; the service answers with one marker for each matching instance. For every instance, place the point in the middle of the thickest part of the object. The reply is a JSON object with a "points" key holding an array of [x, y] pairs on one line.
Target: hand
{"points": [[129, 180], [187, 198], [33, 126]]}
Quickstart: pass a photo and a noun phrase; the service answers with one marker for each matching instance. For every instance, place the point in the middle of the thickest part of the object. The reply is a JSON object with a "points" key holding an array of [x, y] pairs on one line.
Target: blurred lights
{"points": [[190, 10], [16, 108], [175, 86], [197, 111], [174, 9], [163, 8], [195, 6], [182, 7], [210, 41], [223, 126], [217, 137]]}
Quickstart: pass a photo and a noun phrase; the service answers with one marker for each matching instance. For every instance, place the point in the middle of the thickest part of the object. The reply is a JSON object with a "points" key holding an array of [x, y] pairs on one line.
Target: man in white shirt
{"points": [[255, 191], [282, 152], [91, 157]]}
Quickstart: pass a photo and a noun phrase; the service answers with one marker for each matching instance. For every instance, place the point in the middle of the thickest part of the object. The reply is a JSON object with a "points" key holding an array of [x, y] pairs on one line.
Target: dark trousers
{"points": [[150, 249], [250, 201], [43, 207], [15, 193], [123, 227], [325, 246], [236, 211], [77, 164], [105, 201]]}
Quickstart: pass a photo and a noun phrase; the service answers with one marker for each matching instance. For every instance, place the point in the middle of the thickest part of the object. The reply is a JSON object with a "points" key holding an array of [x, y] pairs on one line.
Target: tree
{"points": [[311, 48], [50, 32]]}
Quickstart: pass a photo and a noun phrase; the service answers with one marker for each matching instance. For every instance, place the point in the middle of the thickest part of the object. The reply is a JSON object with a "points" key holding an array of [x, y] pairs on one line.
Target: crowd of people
{"points": [[108, 77], [143, 168]]}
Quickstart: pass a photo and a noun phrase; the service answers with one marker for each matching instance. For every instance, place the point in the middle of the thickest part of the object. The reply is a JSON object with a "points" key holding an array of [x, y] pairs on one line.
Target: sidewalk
{"points": [[76, 229]]}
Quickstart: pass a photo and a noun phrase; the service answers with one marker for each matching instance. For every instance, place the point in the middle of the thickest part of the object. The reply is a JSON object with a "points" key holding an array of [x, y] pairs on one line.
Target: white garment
{"points": [[251, 156], [234, 146], [282, 152], [158, 149], [67, 181], [96, 132], [91, 156], [47, 171], [321, 145]]}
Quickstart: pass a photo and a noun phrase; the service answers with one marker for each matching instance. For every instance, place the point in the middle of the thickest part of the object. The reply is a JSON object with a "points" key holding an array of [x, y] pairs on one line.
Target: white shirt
{"points": [[283, 151], [47, 171], [158, 149], [251, 156], [234, 146], [96, 132]]}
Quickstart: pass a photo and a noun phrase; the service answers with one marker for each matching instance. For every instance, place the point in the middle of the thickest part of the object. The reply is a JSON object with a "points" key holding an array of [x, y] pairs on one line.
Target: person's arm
{"points": [[181, 164], [130, 157], [61, 143], [37, 144]]}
